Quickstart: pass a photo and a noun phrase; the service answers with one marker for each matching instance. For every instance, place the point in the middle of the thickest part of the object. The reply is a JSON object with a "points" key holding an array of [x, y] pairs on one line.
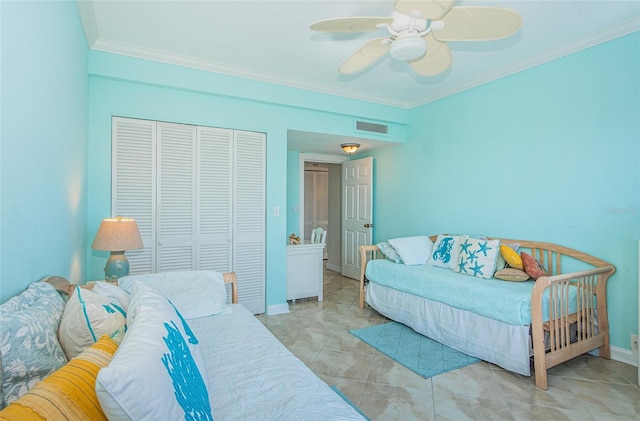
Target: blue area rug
{"points": [[420, 354], [347, 400]]}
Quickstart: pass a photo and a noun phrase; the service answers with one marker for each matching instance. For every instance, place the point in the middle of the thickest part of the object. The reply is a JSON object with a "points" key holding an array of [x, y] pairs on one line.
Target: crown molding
{"points": [[625, 28], [235, 71]]}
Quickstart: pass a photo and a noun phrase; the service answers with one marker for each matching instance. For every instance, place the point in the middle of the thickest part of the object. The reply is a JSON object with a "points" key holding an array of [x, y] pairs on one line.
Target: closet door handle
{"points": [[368, 225]]}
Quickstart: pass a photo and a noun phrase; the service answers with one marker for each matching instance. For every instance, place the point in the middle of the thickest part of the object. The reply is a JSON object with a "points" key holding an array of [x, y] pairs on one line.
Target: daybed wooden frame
{"points": [[590, 322]]}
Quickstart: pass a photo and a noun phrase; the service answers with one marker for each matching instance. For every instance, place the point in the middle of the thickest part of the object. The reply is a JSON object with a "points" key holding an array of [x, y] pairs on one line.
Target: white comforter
{"points": [[252, 376]]}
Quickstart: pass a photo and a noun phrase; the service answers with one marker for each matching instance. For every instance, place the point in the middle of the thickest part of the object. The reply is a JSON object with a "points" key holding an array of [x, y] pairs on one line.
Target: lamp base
{"points": [[117, 266]]}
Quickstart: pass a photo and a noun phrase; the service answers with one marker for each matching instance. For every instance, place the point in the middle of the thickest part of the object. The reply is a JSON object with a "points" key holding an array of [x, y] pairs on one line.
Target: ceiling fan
{"points": [[418, 31]]}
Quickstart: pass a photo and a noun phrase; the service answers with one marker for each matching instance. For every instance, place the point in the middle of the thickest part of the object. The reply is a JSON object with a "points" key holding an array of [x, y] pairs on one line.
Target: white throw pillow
{"points": [[446, 251], [86, 317], [195, 293], [113, 292], [413, 250], [478, 257], [158, 372]]}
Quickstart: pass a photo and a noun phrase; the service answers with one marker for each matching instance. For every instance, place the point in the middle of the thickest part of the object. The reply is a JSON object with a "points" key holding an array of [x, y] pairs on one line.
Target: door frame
{"points": [[318, 158]]}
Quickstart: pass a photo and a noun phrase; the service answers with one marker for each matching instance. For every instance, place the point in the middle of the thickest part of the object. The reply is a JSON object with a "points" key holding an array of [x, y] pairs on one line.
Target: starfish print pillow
{"points": [[478, 257]]}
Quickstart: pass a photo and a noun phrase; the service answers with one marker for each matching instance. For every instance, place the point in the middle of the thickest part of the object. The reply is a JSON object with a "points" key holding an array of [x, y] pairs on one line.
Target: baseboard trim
{"points": [[278, 309], [334, 268], [624, 356]]}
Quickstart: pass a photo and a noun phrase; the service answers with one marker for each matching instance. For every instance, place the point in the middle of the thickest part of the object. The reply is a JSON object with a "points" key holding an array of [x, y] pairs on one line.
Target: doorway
{"points": [[316, 199], [328, 166]]}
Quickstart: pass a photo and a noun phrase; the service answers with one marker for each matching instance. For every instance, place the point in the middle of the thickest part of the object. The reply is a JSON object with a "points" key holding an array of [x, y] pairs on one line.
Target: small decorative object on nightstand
{"points": [[117, 235]]}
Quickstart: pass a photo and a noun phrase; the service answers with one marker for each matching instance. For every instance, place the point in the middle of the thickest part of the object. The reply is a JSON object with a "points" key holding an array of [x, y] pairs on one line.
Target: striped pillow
{"points": [[68, 393]]}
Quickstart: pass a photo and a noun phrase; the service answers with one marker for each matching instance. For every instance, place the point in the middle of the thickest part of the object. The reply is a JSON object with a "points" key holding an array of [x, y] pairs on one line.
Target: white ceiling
{"points": [[270, 40]]}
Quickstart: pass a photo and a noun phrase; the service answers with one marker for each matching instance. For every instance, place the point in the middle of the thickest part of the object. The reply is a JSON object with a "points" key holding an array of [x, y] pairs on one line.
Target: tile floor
{"points": [[586, 388]]}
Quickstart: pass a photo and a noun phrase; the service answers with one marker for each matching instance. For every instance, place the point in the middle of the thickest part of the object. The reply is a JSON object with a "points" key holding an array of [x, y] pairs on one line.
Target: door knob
{"points": [[368, 225]]}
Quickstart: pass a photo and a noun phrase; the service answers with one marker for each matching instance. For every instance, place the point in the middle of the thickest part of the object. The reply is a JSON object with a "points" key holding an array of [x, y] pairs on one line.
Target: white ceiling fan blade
{"points": [[436, 60], [365, 56], [429, 9], [357, 24], [477, 23]]}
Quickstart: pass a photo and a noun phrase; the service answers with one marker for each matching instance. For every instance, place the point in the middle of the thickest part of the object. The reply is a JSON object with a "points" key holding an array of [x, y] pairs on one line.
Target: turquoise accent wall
{"points": [[548, 154], [128, 87], [43, 143]]}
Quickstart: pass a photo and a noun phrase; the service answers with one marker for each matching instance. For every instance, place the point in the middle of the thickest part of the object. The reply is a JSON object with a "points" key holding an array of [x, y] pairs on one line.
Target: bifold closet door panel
{"points": [[133, 184], [215, 199], [176, 229], [249, 218]]}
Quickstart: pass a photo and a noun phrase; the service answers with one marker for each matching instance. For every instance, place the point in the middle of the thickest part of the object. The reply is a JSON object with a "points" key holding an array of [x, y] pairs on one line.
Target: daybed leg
{"points": [[540, 367]]}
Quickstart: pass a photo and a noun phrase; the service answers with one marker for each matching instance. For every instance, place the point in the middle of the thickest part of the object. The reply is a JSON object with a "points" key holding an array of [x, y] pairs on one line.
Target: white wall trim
{"points": [[334, 268], [624, 356], [276, 309], [311, 157]]}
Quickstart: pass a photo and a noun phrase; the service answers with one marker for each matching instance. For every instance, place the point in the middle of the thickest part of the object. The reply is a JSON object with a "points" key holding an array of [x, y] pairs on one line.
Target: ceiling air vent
{"points": [[365, 126]]}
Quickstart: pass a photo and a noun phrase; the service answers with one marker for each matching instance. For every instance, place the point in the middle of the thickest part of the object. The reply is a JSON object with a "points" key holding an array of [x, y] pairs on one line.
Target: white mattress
{"points": [[500, 343], [252, 376]]}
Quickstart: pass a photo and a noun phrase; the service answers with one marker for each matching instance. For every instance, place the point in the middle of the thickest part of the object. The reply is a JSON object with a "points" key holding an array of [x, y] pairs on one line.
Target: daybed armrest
{"points": [[578, 298], [367, 253], [231, 278]]}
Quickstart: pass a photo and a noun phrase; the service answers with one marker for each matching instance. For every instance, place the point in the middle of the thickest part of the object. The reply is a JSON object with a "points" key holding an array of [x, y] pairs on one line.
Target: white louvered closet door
{"points": [[249, 218], [215, 151], [133, 184], [198, 194], [176, 208]]}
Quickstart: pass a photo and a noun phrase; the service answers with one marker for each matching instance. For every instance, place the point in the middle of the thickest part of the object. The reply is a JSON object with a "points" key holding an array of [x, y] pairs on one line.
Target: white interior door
{"points": [[357, 219]]}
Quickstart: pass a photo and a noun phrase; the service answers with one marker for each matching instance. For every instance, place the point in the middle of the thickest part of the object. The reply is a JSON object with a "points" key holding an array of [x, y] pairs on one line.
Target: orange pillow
{"points": [[68, 393], [532, 266], [511, 257]]}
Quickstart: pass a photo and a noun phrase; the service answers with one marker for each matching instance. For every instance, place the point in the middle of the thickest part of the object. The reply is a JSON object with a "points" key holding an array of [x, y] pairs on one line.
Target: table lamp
{"points": [[117, 235]]}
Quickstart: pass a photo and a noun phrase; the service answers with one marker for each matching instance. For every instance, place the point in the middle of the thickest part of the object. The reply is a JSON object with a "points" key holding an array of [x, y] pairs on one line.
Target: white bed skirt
{"points": [[497, 342]]}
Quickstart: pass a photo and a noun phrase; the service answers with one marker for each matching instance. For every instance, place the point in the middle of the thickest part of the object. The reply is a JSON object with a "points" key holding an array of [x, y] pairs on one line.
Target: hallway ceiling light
{"points": [[350, 148]]}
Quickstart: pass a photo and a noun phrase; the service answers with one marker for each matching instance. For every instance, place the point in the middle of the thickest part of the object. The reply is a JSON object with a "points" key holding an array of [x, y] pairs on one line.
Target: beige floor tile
{"points": [[348, 365], [386, 402], [585, 388], [342, 340], [607, 398], [473, 380], [463, 407], [386, 371], [353, 389], [588, 367]]}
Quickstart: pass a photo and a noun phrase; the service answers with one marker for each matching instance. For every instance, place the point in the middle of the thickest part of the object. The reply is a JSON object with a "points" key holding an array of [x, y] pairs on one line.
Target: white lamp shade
{"points": [[117, 234]]}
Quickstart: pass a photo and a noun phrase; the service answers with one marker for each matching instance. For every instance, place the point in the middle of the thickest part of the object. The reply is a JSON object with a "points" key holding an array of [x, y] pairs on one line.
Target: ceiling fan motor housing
{"points": [[407, 32]]}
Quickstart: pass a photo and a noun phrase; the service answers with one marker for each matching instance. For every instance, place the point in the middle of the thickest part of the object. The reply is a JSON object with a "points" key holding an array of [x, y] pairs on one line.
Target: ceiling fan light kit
{"points": [[418, 31], [408, 46]]}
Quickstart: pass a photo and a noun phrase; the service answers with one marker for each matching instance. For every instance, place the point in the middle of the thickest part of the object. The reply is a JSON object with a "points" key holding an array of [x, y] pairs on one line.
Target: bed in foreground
{"points": [[554, 318], [165, 346]]}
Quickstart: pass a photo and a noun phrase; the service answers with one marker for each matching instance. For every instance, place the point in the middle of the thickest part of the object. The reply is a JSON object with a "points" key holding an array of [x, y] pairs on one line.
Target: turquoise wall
{"points": [[549, 154], [128, 87], [43, 143]]}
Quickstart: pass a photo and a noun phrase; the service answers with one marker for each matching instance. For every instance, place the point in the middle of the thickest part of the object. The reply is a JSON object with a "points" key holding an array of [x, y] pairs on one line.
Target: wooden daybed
{"points": [[568, 310]]}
